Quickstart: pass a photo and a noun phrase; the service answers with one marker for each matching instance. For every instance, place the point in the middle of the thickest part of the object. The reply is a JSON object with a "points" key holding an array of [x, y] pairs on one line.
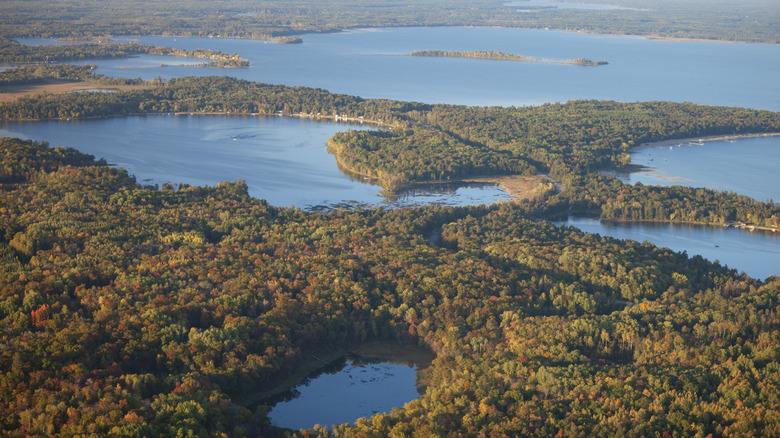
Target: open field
{"points": [[518, 186], [13, 92]]}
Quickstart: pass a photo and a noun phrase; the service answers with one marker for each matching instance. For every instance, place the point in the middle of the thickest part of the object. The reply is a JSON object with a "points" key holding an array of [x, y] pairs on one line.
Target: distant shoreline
{"points": [[677, 141]]}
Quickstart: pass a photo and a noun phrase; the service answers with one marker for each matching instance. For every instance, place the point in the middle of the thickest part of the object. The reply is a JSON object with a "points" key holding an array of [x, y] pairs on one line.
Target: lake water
{"points": [[747, 166], [346, 392], [373, 63], [283, 160], [755, 253]]}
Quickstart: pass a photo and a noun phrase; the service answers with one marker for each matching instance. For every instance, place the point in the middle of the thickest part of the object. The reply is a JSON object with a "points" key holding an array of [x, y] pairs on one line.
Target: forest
{"points": [[132, 311], [137, 311], [752, 21]]}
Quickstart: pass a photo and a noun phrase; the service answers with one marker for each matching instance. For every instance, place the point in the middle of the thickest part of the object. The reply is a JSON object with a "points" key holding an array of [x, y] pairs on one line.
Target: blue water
{"points": [[346, 395], [283, 160], [755, 253], [746, 166], [373, 63]]}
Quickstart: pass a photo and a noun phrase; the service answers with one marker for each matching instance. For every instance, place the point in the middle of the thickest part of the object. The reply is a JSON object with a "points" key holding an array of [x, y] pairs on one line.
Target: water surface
{"points": [[373, 63], [350, 390], [747, 166], [755, 253], [283, 160]]}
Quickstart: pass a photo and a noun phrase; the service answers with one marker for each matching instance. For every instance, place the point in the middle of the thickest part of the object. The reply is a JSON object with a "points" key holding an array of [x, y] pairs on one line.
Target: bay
{"points": [[283, 160], [747, 166], [753, 252], [373, 63]]}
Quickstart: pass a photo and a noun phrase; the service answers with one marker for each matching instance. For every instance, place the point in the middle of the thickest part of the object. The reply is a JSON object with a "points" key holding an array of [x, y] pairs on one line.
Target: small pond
{"points": [[344, 391]]}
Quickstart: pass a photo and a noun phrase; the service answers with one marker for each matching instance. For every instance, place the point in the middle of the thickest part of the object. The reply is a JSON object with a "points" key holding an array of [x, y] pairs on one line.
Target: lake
{"points": [[756, 253], [345, 391], [282, 159], [374, 63]]}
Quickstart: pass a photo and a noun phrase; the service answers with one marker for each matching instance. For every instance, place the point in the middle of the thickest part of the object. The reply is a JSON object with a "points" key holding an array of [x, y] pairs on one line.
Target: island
{"points": [[501, 56]]}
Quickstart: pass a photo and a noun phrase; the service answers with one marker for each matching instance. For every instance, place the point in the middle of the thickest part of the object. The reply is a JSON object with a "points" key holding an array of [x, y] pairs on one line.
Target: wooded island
{"points": [[500, 56]]}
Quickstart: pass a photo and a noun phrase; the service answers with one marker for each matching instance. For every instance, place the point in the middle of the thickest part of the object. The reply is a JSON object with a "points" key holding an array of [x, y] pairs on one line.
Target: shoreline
{"points": [[334, 119], [12, 93], [735, 225], [318, 357], [518, 187], [721, 137]]}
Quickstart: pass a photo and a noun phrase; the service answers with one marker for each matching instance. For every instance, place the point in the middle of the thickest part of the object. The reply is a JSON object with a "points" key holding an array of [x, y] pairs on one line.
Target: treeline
{"points": [[607, 198], [132, 311], [207, 94], [419, 154], [586, 135], [12, 52], [268, 19], [501, 56]]}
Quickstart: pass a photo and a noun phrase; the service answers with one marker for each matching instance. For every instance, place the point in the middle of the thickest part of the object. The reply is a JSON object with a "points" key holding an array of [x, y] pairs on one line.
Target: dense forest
{"points": [[134, 311], [728, 20]]}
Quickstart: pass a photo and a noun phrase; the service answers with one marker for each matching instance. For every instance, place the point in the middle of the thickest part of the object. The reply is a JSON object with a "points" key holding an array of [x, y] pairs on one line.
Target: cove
{"points": [[372, 63], [747, 166], [753, 252], [282, 159]]}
